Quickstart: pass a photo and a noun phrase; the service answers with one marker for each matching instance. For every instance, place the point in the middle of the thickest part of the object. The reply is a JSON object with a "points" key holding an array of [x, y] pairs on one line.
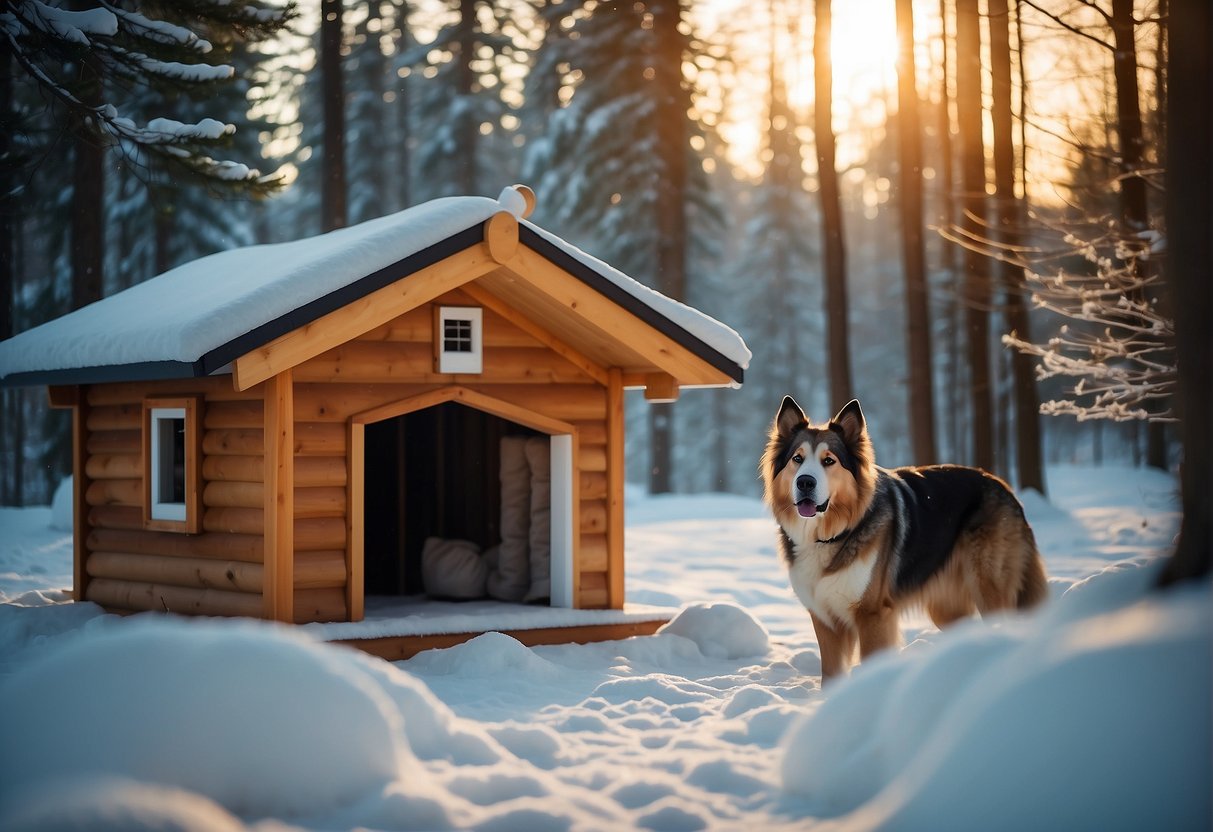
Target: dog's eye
{"points": [[827, 461], [798, 459]]}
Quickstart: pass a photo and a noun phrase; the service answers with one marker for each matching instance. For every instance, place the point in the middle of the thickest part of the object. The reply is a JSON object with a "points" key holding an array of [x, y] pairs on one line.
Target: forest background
{"points": [[952, 210]]}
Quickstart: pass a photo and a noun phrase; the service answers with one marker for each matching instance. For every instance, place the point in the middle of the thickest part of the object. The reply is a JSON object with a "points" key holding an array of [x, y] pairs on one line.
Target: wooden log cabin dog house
{"points": [[273, 431]]}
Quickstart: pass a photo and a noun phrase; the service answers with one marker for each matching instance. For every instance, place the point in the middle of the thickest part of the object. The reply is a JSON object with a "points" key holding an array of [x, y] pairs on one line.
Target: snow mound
{"points": [[109, 804], [62, 510], [722, 630], [1100, 722], [255, 718], [487, 654]]}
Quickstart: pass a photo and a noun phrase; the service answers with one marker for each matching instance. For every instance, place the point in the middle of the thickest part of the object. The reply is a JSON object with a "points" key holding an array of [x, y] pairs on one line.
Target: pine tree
{"points": [[460, 100], [639, 197], [82, 75]]}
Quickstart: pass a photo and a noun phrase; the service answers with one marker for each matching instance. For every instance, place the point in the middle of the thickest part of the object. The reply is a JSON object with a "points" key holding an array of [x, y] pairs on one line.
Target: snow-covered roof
{"points": [[195, 319]]}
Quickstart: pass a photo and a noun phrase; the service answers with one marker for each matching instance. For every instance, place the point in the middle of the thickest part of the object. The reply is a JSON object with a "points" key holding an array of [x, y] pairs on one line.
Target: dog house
{"points": [[278, 431]]}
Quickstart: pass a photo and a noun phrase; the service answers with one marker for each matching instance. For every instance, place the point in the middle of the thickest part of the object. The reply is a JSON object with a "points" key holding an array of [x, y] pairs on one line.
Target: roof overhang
{"points": [[513, 261]]}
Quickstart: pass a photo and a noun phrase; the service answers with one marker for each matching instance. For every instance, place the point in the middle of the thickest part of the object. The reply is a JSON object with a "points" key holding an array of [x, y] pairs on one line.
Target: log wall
{"points": [[126, 567], [220, 571]]}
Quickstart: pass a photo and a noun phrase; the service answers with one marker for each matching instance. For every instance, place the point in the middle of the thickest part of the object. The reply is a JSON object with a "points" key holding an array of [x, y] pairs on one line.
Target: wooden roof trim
{"points": [[361, 315], [466, 396], [220, 359], [621, 297], [490, 301], [609, 318]]}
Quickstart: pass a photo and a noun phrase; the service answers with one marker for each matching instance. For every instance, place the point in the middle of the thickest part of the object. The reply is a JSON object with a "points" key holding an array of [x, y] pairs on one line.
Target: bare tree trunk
{"points": [[973, 181], [778, 174], [88, 206], [10, 443], [8, 201], [1009, 218], [334, 213], [953, 404], [467, 135], [1189, 264], [1134, 208], [162, 218], [918, 319], [838, 340], [404, 117], [671, 254]]}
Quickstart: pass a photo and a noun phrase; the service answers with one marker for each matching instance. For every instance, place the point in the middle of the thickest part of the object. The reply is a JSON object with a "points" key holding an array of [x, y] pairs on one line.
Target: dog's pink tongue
{"points": [[807, 508]]}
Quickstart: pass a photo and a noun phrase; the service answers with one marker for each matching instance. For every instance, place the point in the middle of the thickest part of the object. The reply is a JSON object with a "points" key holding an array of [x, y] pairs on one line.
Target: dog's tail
{"points": [[1034, 587]]}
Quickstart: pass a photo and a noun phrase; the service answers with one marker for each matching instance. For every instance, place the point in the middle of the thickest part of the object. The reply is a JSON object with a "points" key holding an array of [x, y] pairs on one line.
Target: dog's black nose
{"points": [[805, 483]]}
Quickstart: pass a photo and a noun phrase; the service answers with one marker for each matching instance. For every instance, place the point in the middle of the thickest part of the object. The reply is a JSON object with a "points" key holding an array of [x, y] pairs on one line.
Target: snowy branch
{"points": [[123, 49], [1118, 345]]}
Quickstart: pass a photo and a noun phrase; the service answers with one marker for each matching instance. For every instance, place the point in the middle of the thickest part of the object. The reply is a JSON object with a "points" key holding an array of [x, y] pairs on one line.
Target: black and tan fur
{"points": [[866, 542]]}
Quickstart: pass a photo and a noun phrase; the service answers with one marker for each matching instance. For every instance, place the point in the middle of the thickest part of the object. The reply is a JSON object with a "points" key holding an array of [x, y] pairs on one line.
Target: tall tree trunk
{"points": [[88, 203], [162, 214], [467, 131], [783, 174], [1009, 220], [838, 339], [918, 319], [404, 106], [973, 182], [334, 213], [8, 199], [11, 444], [953, 404], [671, 254], [1189, 264], [1134, 207]]}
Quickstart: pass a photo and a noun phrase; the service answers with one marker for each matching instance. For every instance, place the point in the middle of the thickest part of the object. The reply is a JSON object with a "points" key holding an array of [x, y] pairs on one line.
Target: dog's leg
{"points": [[837, 648], [945, 612], [878, 628]]}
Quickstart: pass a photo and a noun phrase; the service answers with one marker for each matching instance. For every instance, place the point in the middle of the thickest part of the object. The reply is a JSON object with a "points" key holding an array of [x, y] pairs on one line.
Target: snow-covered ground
{"points": [[1093, 713]]}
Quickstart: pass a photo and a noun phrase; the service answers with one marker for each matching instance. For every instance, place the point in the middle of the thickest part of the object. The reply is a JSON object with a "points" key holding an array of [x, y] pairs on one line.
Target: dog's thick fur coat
{"points": [[862, 543]]}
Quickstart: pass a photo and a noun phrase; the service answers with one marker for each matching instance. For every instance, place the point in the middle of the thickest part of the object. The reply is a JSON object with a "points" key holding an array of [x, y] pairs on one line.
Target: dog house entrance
{"points": [[436, 481]]}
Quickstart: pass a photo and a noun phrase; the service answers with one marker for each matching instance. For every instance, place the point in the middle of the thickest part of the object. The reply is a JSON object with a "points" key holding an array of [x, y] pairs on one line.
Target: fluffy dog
{"points": [[862, 543]]}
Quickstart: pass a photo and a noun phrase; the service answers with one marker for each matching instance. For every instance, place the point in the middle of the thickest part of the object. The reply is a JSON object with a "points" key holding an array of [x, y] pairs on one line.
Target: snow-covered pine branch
{"points": [[127, 50]]}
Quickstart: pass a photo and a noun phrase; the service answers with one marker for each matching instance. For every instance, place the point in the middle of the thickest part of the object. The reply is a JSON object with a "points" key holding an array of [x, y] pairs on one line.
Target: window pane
{"points": [[170, 434], [456, 335]]}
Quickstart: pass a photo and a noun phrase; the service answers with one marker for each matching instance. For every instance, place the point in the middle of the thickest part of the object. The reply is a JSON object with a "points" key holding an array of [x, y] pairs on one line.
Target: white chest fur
{"points": [[829, 597]]}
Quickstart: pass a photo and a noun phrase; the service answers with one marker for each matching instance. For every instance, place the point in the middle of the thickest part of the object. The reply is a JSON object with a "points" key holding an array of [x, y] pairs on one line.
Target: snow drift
{"points": [[1094, 719], [262, 721]]}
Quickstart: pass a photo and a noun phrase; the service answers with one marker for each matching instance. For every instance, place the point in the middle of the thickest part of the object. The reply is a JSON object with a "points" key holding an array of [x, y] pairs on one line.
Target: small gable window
{"points": [[171, 462], [458, 340]]}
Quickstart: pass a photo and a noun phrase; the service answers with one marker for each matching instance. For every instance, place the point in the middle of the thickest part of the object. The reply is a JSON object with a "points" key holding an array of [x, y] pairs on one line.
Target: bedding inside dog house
{"points": [[336, 402]]}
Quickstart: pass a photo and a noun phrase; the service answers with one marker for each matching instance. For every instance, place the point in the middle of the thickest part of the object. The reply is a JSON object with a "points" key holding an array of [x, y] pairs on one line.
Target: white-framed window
{"points": [[171, 465], [168, 463], [458, 344]]}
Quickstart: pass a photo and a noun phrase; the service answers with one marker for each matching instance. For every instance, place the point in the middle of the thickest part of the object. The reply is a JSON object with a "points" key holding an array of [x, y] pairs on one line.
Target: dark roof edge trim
{"points": [[220, 357], [621, 297], [106, 373], [225, 354]]}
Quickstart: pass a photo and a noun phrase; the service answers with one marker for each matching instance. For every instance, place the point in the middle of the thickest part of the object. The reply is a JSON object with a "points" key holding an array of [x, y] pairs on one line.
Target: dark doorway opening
{"points": [[433, 472]]}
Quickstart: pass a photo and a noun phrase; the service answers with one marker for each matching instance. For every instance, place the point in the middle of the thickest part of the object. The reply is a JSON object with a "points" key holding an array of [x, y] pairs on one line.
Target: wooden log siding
{"points": [[521, 367], [125, 566], [221, 571]]}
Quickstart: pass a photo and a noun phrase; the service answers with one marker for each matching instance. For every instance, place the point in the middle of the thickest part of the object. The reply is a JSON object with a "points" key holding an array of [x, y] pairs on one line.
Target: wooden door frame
{"points": [[564, 523]]}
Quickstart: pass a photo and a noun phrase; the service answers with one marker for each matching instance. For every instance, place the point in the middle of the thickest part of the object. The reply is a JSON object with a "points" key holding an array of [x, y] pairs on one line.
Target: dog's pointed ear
{"points": [[790, 417], [850, 422]]}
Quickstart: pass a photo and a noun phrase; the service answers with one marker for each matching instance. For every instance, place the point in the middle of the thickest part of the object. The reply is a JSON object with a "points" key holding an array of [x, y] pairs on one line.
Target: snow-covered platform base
{"points": [[398, 628]]}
